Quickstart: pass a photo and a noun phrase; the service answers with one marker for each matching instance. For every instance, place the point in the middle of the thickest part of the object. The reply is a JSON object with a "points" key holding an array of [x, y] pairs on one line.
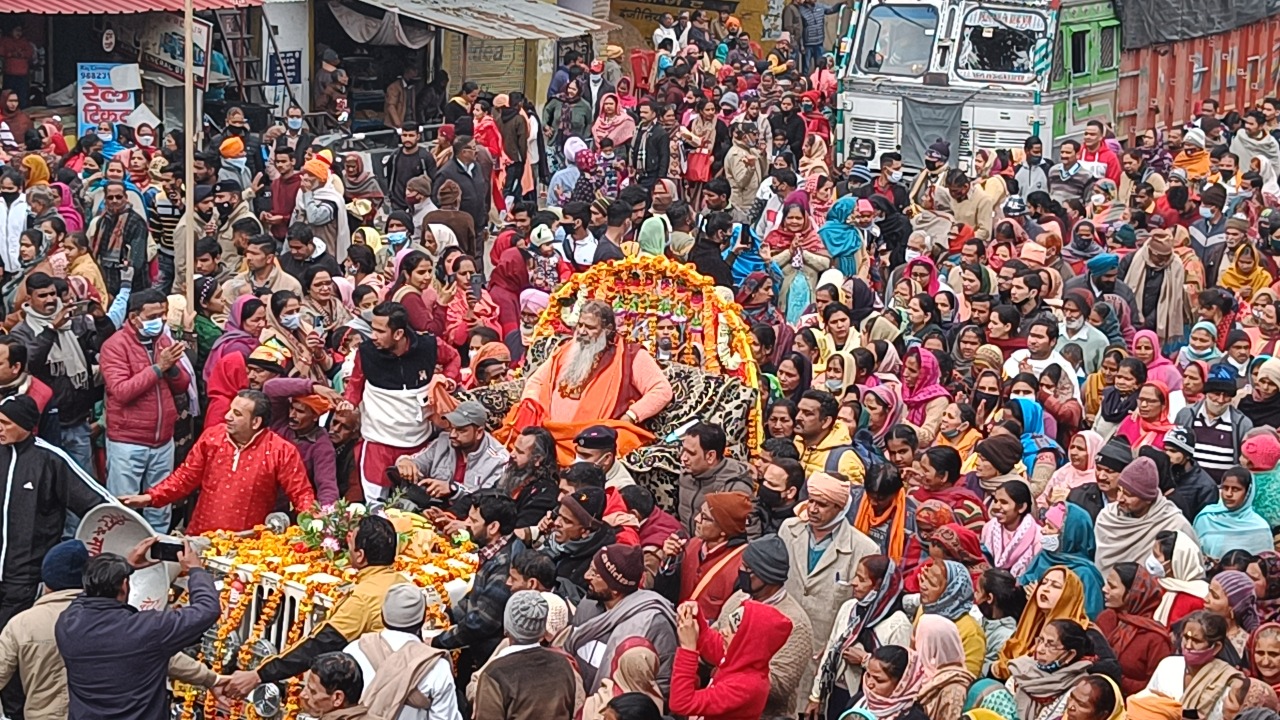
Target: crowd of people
{"points": [[1020, 457]]}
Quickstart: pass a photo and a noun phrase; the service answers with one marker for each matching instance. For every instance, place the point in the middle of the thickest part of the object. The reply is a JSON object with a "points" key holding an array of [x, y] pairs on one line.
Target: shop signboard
{"points": [[161, 46], [97, 100]]}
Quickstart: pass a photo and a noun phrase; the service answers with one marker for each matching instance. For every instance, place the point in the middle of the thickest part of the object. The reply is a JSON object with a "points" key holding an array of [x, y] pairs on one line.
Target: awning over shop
{"points": [[114, 7], [497, 19]]}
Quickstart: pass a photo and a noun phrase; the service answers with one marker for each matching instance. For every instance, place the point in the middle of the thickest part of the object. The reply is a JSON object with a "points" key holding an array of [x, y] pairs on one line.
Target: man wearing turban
{"points": [[1102, 277], [1158, 280]]}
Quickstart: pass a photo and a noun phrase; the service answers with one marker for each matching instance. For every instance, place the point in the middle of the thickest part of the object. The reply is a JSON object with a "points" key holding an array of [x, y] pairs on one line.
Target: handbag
{"points": [[698, 167]]}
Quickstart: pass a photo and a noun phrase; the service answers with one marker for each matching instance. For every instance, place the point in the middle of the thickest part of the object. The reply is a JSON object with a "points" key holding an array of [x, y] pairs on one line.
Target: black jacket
{"points": [[572, 563], [297, 268], [41, 483], [1089, 497], [117, 658], [537, 498], [607, 250], [73, 404], [707, 258], [399, 169], [656, 147], [476, 191], [791, 125], [1193, 489]]}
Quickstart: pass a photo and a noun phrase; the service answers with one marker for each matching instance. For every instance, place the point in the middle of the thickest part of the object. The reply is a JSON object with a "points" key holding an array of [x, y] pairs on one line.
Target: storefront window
{"points": [[999, 45], [898, 39]]}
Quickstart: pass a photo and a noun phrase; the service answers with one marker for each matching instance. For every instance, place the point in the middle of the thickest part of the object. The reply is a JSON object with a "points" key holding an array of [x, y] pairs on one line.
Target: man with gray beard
{"points": [[530, 478], [595, 376]]}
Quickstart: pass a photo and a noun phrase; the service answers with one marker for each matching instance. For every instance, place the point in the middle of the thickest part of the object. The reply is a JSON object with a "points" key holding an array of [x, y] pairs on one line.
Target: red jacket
{"points": [[1140, 656], [140, 408], [693, 568], [238, 486], [614, 505], [740, 686]]}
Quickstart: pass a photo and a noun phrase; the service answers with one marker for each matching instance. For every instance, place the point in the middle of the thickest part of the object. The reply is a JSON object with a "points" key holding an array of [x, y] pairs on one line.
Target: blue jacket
{"points": [[815, 19], [117, 658]]}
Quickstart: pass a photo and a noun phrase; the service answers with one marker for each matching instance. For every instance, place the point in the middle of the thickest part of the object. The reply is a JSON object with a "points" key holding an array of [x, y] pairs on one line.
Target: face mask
{"points": [[9, 197], [1098, 200], [769, 497], [895, 176], [146, 140], [236, 162], [1050, 542], [1049, 667], [1196, 658], [1206, 213], [106, 137], [293, 123], [743, 582], [224, 208], [807, 107], [912, 254], [151, 328], [951, 434], [834, 385], [397, 238], [292, 322], [991, 401], [367, 315], [931, 165], [1154, 566]]}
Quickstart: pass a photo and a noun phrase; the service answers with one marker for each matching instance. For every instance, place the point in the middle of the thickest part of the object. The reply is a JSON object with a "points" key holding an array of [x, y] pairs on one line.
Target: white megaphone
{"points": [[117, 529]]}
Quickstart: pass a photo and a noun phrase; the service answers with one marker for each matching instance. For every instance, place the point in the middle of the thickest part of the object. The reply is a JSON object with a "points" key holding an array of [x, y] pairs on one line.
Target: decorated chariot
{"points": [[692, 327]]}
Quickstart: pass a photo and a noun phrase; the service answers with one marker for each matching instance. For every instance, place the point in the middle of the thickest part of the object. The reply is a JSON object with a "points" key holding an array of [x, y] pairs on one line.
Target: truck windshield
{"points": [[898, 40], [999, 45]]}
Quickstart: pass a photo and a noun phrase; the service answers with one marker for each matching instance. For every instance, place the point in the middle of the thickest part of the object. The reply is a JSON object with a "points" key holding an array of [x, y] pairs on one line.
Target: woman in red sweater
{"points": [[1131, 596], [740, 655]]}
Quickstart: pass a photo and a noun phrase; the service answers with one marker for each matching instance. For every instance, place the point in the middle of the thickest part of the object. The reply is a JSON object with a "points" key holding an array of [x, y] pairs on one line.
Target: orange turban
{"points": [[730, 511], [231, 147], [319, 405]]}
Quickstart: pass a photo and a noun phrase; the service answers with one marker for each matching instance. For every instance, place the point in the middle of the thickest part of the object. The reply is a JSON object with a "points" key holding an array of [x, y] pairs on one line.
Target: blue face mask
{"points": [[236, 162], [398, 238], [153, 327], [1206, 212], [292, 322], [294, 123]]}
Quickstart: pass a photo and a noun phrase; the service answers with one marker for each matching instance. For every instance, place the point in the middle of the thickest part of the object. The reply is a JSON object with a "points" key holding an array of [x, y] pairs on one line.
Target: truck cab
{"points": [[973, 72]]}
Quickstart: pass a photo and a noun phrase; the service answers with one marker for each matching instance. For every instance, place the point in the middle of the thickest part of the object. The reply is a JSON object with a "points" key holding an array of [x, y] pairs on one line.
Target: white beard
{"points": [[582, 360]]}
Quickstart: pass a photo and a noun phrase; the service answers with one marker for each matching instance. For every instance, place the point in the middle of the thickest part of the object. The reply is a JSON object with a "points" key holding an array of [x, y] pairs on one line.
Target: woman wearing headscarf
{"points": [[1231, 523], [946, 589], [843, 239], [358, 181], [956, 542], [870, 620], [938, 477], [1097, 382], [930, 515], [1129, 624], [509, 278], [1184, 580], [1058, 596], [33, 257], [613, 123], [798, 251], [1149, 421], [923, 394], [1232, 597], [321, 302], [895, 699], [1201, 675], [1041, 454], [1262, 654], [1246, 270], [1262, 404], [1042, 678], [653, 237], [1080, 469], [633, 669], [586, 188], [288, 329], [1011, 536], [946, 680], [245, 323], [1264, 568], [884, 408]]}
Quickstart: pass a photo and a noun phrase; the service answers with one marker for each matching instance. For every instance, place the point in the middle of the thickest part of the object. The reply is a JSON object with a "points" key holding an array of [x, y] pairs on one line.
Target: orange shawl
{"points": [[896, 514]]}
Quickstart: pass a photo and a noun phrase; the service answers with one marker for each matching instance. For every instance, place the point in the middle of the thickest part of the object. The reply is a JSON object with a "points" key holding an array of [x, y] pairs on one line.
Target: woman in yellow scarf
{"points": [[1058, 596], [1245, 271], [1101, 379]]}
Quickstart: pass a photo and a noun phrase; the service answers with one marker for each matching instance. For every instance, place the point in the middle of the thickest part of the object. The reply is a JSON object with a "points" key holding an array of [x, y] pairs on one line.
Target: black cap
{"points": [[1115, 455], [598, 437], [228, 185], [21, 410], [203, 192]]}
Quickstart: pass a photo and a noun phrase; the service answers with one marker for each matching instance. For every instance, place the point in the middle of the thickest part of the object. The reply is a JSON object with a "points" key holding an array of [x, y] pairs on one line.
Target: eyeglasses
{"points": [[1047, 644]]}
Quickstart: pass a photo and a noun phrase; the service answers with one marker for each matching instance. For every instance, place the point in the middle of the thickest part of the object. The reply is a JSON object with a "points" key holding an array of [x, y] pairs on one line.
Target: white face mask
{"points": [[912, 254], [1154, 566], [146, 140], [895, 176], [1098, 199], [1050, 542]]}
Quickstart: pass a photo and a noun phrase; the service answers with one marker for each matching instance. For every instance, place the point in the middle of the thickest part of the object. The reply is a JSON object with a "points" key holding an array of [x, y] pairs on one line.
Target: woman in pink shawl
{"points": [[245, 322], [1146, 347], [1081, 469], [509, 278], [884, 407], [931, 286], [614, 123], [71, 217], [923, 394], [462, 311], [781, 237]]}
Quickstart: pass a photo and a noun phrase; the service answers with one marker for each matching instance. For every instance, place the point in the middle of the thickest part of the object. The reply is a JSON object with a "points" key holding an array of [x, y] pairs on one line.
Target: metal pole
{"points": [[190, 130]]}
